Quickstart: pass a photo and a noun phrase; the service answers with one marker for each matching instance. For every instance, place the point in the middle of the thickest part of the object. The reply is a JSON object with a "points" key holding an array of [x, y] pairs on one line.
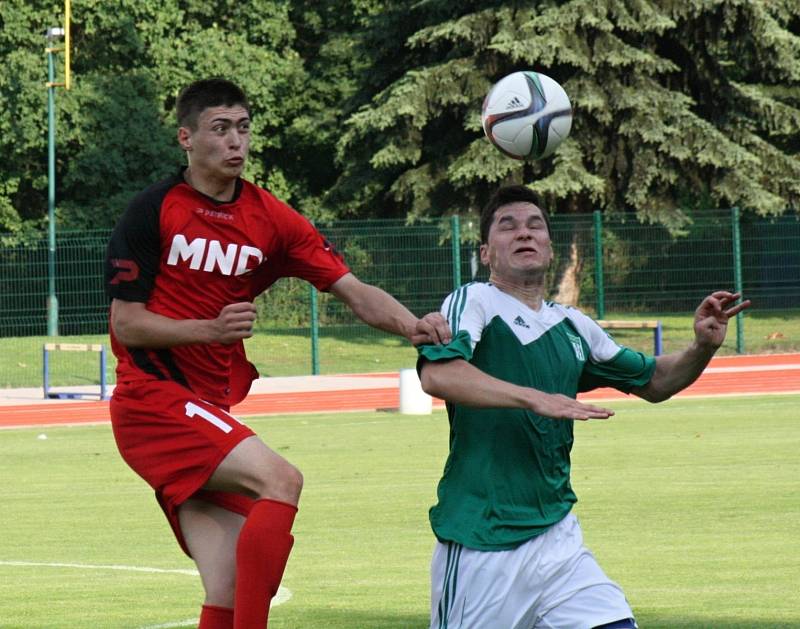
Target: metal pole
{"points": [[455, 229], [314, 331], [737, 276], [658, 339], [103, 362], [598, 265], [52, 300], [45, 371]]}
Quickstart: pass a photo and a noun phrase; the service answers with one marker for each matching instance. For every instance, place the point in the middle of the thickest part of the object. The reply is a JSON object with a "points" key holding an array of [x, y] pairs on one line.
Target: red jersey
{"points": [[186, 256]]}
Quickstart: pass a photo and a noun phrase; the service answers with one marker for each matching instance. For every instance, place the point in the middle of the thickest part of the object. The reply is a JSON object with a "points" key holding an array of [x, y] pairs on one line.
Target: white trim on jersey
{"points": [[474, 305]]}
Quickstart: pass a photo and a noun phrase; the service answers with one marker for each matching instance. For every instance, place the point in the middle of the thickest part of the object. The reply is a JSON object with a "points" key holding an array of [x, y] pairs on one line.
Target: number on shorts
{"points": [[193, 409]]}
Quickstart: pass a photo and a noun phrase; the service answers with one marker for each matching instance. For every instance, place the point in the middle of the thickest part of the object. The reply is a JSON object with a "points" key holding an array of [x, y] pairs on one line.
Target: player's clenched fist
{"points": [[234, 322], [432, 328]]}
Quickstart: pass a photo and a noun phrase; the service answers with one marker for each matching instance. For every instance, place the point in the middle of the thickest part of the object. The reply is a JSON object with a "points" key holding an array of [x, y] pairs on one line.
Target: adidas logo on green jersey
{"points": [[520, 321]]}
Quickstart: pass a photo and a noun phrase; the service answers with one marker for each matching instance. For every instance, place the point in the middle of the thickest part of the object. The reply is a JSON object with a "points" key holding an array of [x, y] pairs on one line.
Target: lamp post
{"points": [[52, 300]]}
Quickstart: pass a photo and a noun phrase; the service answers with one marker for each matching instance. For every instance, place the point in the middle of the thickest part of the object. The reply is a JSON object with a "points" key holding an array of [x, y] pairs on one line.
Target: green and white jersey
{"points": [[507, 477]]}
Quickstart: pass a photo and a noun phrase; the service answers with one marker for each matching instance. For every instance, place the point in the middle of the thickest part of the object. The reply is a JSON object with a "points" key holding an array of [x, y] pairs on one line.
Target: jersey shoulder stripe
{"points": [[454, 305]]}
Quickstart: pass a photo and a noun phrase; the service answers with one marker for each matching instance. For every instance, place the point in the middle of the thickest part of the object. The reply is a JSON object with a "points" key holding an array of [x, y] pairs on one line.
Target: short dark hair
{"points": [[503, 196], [205, 93]]}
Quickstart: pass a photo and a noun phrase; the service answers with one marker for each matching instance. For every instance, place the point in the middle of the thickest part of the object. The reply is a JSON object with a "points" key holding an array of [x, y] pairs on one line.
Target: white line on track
{"points": [[283, 595], [786, 367]]}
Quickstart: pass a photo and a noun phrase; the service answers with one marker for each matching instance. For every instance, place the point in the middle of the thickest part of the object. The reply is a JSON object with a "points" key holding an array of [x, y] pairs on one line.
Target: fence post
{"points": [[314, 331], [598, 264], [52, 299], [455, 229], [314, 328], [737, 276]]}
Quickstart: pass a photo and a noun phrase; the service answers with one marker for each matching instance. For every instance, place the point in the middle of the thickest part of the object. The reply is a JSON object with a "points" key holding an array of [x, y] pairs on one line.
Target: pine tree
{"points": [[677, 106], [672, 101]]}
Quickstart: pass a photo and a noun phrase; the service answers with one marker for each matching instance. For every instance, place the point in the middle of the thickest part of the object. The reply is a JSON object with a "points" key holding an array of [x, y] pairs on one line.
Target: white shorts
{"points": [[550, 582]]}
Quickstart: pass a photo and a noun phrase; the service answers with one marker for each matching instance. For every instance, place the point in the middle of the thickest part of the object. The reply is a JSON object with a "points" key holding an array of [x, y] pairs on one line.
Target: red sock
{"points": [[261, 555], [213, 617]]}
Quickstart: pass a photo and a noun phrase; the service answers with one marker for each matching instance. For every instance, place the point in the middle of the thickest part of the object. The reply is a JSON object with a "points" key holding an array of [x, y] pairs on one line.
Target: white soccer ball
{"points": [[526, 115]]}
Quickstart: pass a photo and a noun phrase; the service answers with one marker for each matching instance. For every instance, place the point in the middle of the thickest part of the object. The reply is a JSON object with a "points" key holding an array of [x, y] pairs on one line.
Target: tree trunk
{"points": [[568, 279]]}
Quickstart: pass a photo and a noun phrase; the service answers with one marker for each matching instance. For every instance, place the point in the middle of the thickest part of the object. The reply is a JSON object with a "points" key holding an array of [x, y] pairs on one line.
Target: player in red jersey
{"points": [[184, 264]]}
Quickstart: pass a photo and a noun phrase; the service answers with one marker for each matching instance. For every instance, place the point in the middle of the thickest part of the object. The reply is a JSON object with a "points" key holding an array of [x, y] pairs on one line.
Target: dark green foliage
{"points": [[370, 108], [116, 127], [674, 102]]}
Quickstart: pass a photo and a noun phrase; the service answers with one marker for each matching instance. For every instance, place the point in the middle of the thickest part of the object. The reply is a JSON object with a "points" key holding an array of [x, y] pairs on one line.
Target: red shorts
{"points": [[175, 441]]}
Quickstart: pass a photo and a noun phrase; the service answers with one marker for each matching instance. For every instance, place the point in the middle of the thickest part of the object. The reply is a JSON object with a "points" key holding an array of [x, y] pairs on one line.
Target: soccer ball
{"points": [[526, 115]]}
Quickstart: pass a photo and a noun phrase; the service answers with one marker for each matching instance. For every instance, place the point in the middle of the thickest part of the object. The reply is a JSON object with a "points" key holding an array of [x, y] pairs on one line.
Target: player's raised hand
{"points": [[234, 323], [432, 328], [558, 406], [711, 317]]}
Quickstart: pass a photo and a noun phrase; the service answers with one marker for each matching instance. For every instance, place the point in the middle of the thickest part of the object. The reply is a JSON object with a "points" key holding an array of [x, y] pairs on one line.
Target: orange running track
{"points": [[726, 375]]}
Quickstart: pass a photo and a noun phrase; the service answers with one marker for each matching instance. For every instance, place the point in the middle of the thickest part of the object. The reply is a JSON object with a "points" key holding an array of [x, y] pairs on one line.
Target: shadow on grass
{"points": [[316, 618], [669, 621], [349, 619]]}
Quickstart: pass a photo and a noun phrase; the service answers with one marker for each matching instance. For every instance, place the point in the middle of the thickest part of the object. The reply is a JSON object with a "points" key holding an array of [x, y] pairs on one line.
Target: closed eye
{"points": [[506, 223]]}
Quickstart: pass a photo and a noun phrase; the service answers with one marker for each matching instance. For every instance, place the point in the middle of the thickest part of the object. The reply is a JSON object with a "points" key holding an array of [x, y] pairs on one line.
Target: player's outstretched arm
{"points": [[379, 309], [674, 372], [135, 326], [460, 382]]}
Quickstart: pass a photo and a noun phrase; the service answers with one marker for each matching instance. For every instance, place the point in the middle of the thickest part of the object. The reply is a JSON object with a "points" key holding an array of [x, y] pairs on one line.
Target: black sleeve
{"points": [[133, 252]]}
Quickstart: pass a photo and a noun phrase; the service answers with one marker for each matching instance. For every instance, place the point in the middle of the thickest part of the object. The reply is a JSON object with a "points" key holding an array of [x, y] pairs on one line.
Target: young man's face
{"points": [[518, 245], [218, 147]]}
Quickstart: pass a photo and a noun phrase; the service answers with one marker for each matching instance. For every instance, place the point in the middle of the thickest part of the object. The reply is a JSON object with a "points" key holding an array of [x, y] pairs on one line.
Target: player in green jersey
{"points": [[509, 553]]}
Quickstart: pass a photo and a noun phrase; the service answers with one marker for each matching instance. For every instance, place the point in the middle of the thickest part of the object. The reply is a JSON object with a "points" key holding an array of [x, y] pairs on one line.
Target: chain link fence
{"points": [[609, 265]]}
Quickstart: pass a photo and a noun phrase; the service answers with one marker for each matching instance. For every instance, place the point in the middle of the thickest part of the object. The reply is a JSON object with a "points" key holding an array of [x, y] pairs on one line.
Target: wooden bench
{"points": [[655, 326]]}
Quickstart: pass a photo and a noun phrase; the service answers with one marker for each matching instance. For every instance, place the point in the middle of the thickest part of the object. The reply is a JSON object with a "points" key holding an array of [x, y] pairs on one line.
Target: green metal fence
{"points": [[621, 269]]}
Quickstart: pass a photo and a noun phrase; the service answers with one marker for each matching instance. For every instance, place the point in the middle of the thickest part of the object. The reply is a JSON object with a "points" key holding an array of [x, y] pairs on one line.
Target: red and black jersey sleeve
{"points": [[302, 251], [134, 250], [309, 255]]}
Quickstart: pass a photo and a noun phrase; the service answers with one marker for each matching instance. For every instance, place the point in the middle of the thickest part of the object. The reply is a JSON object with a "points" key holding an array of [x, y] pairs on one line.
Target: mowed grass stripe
{"points": [[690, 505]]}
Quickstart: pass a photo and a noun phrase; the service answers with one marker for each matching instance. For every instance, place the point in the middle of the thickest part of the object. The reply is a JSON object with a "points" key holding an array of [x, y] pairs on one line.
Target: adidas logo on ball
{"points": [[514, 103]]}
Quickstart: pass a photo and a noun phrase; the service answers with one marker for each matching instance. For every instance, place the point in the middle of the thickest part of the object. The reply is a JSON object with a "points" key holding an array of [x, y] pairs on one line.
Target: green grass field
{"points": [[359, 349], [690, 505]]}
